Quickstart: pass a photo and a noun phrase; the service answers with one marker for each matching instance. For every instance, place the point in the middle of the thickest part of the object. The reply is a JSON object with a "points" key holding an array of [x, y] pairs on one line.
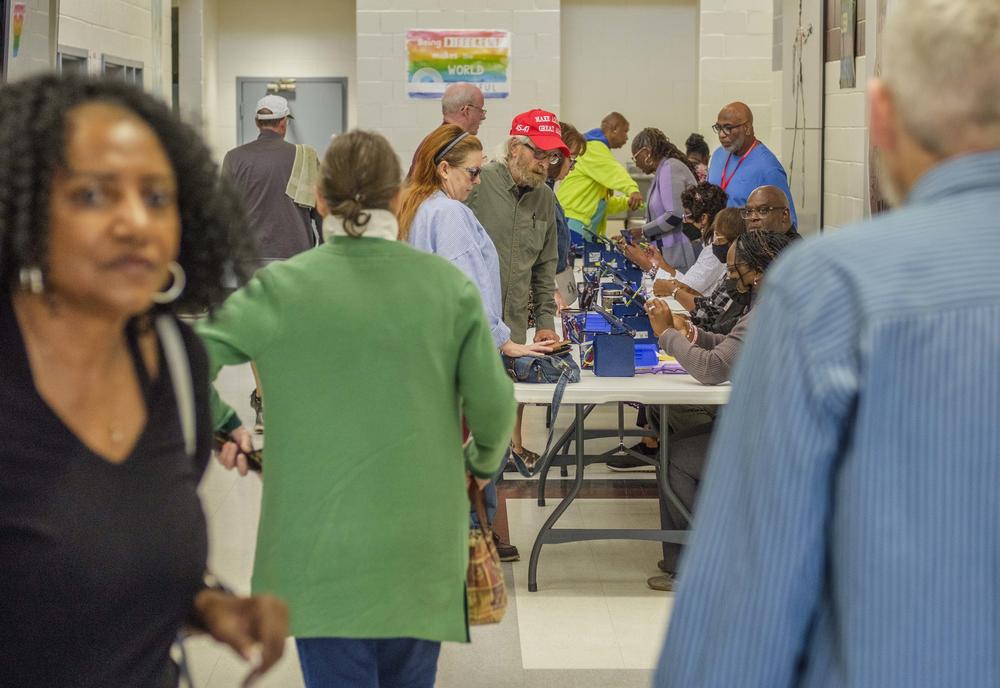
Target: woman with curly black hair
{"points": [[701, 204], [708, 358], [112, 219], [672, 172]]}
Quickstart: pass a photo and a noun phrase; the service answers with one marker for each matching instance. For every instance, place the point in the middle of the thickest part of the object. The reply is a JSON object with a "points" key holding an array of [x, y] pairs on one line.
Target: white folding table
{"points": [[659, 390]]}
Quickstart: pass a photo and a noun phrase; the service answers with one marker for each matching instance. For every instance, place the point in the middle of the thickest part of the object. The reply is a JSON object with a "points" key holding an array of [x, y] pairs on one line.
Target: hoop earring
{"points": [[32, 280], [176, 287]]}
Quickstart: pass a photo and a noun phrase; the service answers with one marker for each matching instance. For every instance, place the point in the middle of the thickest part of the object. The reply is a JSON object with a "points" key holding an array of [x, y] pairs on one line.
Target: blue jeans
{"points": [[361, 663], [490, 497]]}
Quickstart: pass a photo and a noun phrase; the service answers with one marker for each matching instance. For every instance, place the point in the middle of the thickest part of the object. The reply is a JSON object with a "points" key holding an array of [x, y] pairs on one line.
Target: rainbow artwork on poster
{"points": [[438, 58]]}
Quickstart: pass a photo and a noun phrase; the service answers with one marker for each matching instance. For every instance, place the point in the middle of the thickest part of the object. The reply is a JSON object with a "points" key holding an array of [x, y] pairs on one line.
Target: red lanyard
{"points": [[725, 182]]}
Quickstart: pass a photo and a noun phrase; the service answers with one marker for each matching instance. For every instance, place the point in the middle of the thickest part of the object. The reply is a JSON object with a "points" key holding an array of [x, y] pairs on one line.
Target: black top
{"points": [[99, 562]]}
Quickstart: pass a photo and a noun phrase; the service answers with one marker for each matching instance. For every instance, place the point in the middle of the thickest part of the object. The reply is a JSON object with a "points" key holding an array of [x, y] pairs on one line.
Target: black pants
{"points": [[690, 431]]}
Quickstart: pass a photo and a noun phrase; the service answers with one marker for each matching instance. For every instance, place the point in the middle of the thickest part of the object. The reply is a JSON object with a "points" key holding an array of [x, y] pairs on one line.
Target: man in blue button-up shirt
{"points": [[848, 532]]}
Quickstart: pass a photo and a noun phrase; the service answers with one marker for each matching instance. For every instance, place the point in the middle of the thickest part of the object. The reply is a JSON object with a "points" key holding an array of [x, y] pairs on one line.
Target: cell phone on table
{"points": [[255, 460]]}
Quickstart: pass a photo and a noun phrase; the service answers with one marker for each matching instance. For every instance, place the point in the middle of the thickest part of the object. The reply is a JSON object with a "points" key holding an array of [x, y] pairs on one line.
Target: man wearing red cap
{"points": [[517, 209]]}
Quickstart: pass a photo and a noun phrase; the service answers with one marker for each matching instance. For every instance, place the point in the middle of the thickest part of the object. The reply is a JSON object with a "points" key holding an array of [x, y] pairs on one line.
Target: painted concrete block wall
{"points": [[382, 103], [735, 61], [645, 64], [844, 165], [123, 29], [305, 38]]}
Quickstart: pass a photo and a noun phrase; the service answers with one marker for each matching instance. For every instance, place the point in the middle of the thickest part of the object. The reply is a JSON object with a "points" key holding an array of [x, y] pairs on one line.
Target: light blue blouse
{"points": [[448, 228]]}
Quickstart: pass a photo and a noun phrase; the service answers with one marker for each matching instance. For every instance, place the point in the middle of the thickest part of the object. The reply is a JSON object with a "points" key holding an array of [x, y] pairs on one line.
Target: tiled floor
{"points": [[593, 622]]}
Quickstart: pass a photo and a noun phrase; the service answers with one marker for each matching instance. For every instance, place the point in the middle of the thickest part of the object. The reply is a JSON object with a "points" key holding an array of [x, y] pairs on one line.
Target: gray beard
{"points": [[523, 177]]}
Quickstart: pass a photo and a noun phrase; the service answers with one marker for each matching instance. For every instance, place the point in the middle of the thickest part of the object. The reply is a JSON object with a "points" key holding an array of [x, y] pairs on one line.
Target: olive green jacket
{"points": [[523, 230]]}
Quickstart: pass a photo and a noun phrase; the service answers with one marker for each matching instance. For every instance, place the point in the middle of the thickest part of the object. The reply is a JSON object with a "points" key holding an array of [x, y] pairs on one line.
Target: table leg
{"points": [[546, 460], [536, 549]]}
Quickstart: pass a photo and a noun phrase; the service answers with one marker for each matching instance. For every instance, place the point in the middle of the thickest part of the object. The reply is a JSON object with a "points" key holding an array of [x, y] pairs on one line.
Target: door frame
{"points": [[328, 79]]}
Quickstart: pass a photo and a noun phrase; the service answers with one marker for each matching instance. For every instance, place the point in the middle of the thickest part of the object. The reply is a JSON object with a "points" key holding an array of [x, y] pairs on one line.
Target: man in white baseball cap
{"points": [[281, 223], [272, 108]]}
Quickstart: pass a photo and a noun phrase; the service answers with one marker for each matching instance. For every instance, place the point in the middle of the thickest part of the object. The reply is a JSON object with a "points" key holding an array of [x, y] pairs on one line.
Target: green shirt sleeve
{"points": [[487, 393], [238, 332]]}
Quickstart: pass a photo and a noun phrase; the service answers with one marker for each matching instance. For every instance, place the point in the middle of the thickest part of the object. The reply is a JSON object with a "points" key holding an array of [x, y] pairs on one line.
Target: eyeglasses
{"points": [[553, 157], [635, 156], [473, 172], [482, 110], [763, 211], [728, 128]]}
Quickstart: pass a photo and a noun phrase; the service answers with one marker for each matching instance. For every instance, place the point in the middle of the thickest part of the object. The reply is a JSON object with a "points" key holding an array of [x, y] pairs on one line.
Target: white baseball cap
{"points": [[276, 104]]}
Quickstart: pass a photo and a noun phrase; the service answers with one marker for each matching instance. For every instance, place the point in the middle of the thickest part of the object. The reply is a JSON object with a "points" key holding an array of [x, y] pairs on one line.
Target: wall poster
{"points": [[848, 28], [437, 58]]}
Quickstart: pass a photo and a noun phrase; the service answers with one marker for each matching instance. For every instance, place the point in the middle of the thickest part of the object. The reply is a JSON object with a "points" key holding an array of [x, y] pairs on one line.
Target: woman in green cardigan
{"points": [[369, 350]]}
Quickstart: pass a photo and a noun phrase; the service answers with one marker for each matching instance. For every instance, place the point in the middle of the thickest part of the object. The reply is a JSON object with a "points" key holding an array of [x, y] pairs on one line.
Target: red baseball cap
{"points": [[542, 128]]}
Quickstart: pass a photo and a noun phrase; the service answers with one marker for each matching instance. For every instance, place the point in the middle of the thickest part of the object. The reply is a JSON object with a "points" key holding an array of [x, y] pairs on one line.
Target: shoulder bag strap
{"points": [[180, 375], [557, 396]]}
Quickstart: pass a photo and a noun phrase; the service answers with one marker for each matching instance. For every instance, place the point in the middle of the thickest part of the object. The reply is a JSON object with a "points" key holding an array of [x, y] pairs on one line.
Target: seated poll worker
{"points": [[728, 225], [700, 204], [768, 208], [708, 358]]}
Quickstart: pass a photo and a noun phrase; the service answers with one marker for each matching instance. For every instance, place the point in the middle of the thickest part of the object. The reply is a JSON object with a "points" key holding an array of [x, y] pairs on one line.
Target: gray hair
{"points": [[942, 65], [506, 149], [457, 96]]}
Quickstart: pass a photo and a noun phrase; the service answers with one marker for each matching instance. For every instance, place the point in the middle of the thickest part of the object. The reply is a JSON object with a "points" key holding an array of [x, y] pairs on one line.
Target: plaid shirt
{"points": [[709, 311]]}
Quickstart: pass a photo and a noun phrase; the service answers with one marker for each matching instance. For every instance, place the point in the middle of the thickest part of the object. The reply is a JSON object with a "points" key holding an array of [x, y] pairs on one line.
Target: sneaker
{"points": [[507, 551], [662, 566], [258, 407], [664, 583], [642, 448], [624, 464]]}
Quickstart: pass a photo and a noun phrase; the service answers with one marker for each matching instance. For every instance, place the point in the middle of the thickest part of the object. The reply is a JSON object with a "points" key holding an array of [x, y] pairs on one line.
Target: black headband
{"points": [[444, 151]]}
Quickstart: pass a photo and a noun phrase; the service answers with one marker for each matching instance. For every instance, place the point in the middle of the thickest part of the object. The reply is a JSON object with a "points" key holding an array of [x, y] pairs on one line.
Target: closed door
{"points": [[318, 105]]}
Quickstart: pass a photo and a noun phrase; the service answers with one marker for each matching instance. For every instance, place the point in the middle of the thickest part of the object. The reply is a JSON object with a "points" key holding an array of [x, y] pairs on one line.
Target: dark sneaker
{"points": [[641, 448], [507, 551], [624, 464], [664, 583], [662, 566]]}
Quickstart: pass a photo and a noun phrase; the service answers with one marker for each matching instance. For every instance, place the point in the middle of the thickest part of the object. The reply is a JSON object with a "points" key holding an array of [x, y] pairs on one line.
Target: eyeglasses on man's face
{"points": [[728, 128], [482, 110], [554, 157], [761, 210]]}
